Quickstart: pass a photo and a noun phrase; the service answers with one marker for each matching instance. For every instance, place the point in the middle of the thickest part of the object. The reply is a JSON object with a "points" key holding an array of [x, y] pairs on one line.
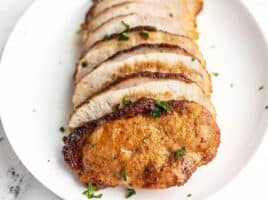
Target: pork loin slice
{"points": [[143, 8], [102, 50], [115, 25], [195, 6], [154, 58], [180, 5], [163, 89], [143, 145]]}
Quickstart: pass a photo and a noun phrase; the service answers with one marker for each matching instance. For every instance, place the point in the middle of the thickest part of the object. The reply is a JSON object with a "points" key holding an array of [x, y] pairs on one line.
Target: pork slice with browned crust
{"points": [[121, 23], [140, 147], [104, 49], [144, 8], [154, 58], [166, 88], [182, 6]]}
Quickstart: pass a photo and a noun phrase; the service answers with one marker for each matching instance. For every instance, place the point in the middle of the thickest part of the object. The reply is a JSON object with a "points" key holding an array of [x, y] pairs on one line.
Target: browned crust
{"points": [[153, 75], [74, 142], [149, 75], [150, 46], [136, 29], [144, 74], [200, 8], [116, 36]]}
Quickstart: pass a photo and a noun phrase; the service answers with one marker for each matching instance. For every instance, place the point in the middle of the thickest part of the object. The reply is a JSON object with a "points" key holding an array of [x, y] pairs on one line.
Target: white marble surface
{"points": [[17, 183]]}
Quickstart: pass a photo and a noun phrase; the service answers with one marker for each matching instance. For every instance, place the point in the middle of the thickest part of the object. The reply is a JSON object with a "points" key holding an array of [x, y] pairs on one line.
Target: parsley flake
{"points": [[123, 36], [189, 195], [266, 107], [84, 64], [127, 26], [216, 74], [117, 107], [62, 129], [162, 104], [130, 192], [181, 152], [156, 112], [261, 87], [144, 34], [106, 37], [127, 102], [90, 192], [123, 174]]}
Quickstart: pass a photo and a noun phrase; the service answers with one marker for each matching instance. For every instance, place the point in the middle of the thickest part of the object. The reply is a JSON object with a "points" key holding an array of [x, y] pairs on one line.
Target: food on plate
{"points": [[142, 114], [164, 87], [104, 49], [134, 146], [156, 58], [122, 23]]}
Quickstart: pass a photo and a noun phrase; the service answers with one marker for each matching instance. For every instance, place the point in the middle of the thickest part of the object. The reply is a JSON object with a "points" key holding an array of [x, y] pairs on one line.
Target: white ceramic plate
{"points": [[36, 85]]}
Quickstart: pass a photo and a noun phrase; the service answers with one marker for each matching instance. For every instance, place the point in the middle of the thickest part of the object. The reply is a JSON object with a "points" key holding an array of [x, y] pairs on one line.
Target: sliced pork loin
{"points": [[144, 8], [182, 6], [195, 5], [153, 57], [102, 50], [143, 145], [118, 25], [159, 88]]}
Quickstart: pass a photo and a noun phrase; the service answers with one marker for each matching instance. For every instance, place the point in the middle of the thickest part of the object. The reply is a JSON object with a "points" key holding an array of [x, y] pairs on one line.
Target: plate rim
{"points": [[259, 147]]}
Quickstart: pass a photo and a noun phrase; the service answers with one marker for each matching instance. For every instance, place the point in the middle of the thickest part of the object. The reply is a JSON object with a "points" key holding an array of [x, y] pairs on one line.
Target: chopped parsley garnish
{"points": [[189, 195], [160, 107], [123, 174], [144, 34], [87, 101], [156, 112], [127, 102], [266, 107], [79, 30], [84, 64], [193, 59], [216, 74], [123, 36], [181, 152], [162, 104], [261, 87], [130, 192], [90, 192], [62, 129], [127, 26], [106, 37], [117, 107]]}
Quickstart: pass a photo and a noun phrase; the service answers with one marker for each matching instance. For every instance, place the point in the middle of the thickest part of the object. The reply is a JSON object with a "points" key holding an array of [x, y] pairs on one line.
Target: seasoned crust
{"points": [[143, 146]]}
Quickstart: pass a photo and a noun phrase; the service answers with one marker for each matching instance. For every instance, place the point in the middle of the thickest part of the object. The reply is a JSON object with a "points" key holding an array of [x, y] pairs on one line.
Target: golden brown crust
{"points": [[142, 146]]}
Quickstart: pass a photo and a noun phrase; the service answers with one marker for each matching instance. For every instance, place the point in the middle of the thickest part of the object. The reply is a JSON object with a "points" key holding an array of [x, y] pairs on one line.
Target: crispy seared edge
{"points": [[75, 141]]}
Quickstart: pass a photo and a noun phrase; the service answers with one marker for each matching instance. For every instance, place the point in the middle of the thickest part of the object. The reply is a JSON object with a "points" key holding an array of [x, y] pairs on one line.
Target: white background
{"points": [[252, 181]]}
